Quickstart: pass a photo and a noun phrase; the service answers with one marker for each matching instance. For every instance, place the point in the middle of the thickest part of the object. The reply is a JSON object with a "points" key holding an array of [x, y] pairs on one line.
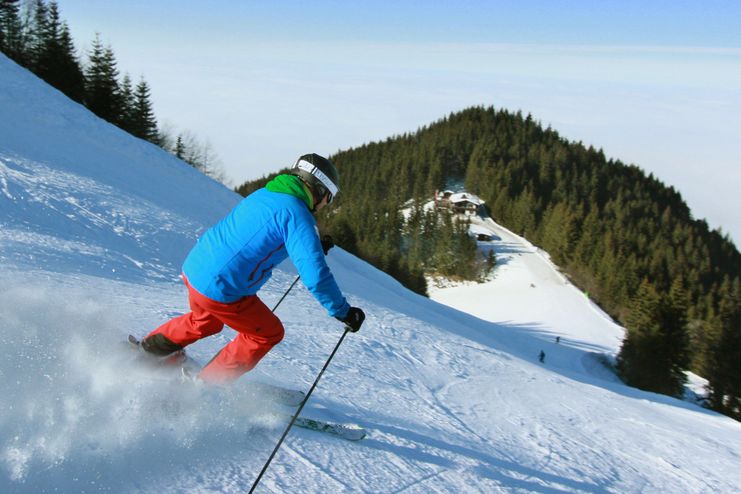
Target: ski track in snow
{"points": [[120, 229], [93, 227]]}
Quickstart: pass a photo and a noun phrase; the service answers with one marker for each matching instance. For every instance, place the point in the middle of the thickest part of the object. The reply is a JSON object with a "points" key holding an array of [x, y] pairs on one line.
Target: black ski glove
{"points": [[354, 319], [327, 243]]}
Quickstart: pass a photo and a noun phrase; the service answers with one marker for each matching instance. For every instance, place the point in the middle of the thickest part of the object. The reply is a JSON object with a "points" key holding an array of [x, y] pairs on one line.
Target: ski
{"points": [[278, 394], [349, 432], [184, 367]]}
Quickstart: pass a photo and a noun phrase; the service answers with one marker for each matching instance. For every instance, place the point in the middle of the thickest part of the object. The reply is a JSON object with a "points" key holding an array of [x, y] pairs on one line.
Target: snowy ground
{"points": [[94, 225], [527, 291]]}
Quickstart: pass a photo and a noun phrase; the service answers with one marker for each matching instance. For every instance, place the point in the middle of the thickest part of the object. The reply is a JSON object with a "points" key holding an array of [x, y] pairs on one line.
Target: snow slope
{"points": [[94, 227], [528, 291]]}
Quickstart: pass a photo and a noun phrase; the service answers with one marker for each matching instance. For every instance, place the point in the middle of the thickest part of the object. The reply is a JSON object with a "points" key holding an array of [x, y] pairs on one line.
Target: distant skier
{"points": [[558, 339], [234, 259], [541, 357]]}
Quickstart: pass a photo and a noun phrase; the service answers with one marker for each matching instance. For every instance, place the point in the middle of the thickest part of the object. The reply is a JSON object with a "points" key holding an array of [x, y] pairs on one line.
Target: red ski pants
{"points": [[259, 331]]}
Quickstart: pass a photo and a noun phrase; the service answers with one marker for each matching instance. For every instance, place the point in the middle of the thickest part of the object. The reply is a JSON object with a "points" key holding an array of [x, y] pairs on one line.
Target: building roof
{"points": [[465, 197]]}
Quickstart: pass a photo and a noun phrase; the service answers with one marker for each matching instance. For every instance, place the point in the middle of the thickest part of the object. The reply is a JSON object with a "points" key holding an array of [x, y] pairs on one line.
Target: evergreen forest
{"points": [[621, 235]]}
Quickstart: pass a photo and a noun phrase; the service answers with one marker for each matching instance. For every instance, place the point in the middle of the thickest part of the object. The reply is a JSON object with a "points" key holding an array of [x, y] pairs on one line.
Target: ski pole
{"points": [[298, 412], [327, 243], [284, 295]]}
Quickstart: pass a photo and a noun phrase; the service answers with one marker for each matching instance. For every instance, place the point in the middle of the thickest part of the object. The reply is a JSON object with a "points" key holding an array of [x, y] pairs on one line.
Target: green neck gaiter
{"points": [[291, 184]]}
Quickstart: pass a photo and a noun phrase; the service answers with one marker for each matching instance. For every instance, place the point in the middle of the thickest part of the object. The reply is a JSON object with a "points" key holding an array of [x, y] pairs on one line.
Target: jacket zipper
{"points": [[252, 274], [262, 275]]}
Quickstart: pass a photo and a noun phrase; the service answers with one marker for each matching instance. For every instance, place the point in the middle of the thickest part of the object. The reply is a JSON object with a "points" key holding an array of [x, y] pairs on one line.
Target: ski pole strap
{"points": [[298, 412]]}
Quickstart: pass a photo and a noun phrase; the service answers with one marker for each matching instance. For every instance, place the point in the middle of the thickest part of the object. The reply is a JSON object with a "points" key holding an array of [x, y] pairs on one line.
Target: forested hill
{"points": [[610, 226]]}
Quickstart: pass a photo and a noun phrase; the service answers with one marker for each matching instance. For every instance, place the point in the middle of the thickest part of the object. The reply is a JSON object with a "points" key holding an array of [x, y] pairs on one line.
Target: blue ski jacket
{"points": [[235, 257]]}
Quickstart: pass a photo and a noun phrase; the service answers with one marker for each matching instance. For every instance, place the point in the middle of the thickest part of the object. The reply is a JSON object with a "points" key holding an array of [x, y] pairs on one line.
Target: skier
{"points": [[541, 356], [233, 260]]}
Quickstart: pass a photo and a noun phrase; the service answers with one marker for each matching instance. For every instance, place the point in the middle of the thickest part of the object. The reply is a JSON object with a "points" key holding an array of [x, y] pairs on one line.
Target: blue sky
{"points": [[654, 83], [677, 22]]}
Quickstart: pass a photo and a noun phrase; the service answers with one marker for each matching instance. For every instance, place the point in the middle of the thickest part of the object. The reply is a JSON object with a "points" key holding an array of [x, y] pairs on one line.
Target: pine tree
{"points": [[72, 80], [35, 37], [655, 351], [128, 103], [180, 147], [47, 41], [11, 41], [56, 61], [724, 374], [103, 95], [676, 334], [443, 257], [144, 124], [634, 362]]}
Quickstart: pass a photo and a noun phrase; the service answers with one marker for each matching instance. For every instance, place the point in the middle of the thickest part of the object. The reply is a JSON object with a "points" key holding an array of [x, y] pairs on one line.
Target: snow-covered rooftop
{"points": [[466, 197]]}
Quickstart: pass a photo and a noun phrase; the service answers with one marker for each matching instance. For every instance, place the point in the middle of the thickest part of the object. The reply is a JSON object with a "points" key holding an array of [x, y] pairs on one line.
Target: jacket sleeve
{"points": [[301, 239]]}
